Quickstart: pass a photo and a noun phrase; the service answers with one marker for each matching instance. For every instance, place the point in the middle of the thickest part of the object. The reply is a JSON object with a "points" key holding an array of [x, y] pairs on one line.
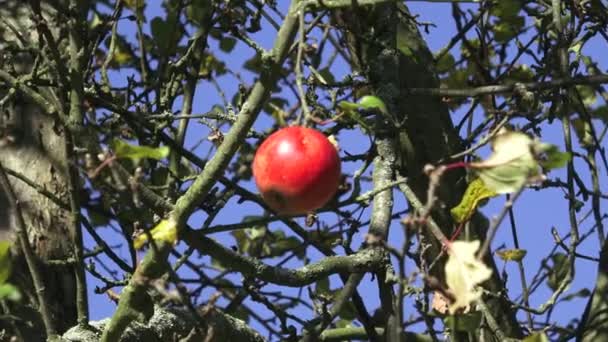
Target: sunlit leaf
{"points": [[536, 337], [463, 273], [351, 110], [511, 164], [552, 157], [475, 193], [5, 261], [165, 230], [372, 102], [10, 292], [512, 254], [135, 152]]}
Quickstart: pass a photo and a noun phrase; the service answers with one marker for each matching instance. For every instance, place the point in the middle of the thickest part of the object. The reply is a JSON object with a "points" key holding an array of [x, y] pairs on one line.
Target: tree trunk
{"points": [[387, 48], [32, 146]]}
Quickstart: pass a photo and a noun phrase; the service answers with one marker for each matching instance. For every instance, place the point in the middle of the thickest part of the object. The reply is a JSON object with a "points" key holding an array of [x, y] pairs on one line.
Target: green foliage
{"points": [[135, 152], [258, 241], [7, 291], [536, 337], [512, 254], [468, 322], [367, 102], [558, 270], [5, 261]]}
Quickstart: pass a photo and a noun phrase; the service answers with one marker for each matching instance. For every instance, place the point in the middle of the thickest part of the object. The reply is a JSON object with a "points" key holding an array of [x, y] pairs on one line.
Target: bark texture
{"points": [[33, 147], [387, 48]]}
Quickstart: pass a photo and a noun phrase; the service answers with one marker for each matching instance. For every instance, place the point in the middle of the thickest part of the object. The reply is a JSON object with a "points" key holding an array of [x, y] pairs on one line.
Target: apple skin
{"points": [[297, 170]]}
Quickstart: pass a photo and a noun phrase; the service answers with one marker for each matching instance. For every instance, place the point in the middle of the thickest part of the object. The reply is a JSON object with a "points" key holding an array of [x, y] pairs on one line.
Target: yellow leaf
{"points": [[512, 254], [121, 57], [165, 230], [475, 193], [464, 272]]}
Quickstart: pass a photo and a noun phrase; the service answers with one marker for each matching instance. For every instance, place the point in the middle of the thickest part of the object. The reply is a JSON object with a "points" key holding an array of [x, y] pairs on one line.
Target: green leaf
{"points": [[242, 240], [161, 31], [505, 30], [582, 293], [446, 63], [10, 292], [324, 75], [227, 44], [134, 4], [135, 152], [553, 157], [558, 271], [520, 73], [506, 9], [476, 192], [327, 239], [198, 11], [209, 65], [322, 286], [512, 254], [536, 337], [352, 112], [5, 261], [372, 102], [466, 322], [285, 245], [601, 112]]}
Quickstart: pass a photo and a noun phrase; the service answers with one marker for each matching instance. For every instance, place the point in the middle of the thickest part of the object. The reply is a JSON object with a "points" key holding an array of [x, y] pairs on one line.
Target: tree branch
{"points": [[366, 260]]}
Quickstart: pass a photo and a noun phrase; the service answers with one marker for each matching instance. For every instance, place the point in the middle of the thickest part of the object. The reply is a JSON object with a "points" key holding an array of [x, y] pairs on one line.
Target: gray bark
{"points": [[172, 325], [33, 146]]}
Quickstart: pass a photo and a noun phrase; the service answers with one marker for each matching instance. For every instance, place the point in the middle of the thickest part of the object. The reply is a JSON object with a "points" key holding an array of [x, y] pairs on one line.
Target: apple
{"points": [[296, 170]]}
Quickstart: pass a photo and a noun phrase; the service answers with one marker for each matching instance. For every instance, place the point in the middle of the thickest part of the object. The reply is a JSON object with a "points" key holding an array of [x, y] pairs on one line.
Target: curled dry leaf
{"points": [[440, 303], [511, 165], [517, 160], [463, 273]]}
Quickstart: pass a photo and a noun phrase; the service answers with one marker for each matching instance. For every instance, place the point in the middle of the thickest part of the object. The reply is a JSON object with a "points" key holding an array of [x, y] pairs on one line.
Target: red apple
{"points": [[297, 170]]}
